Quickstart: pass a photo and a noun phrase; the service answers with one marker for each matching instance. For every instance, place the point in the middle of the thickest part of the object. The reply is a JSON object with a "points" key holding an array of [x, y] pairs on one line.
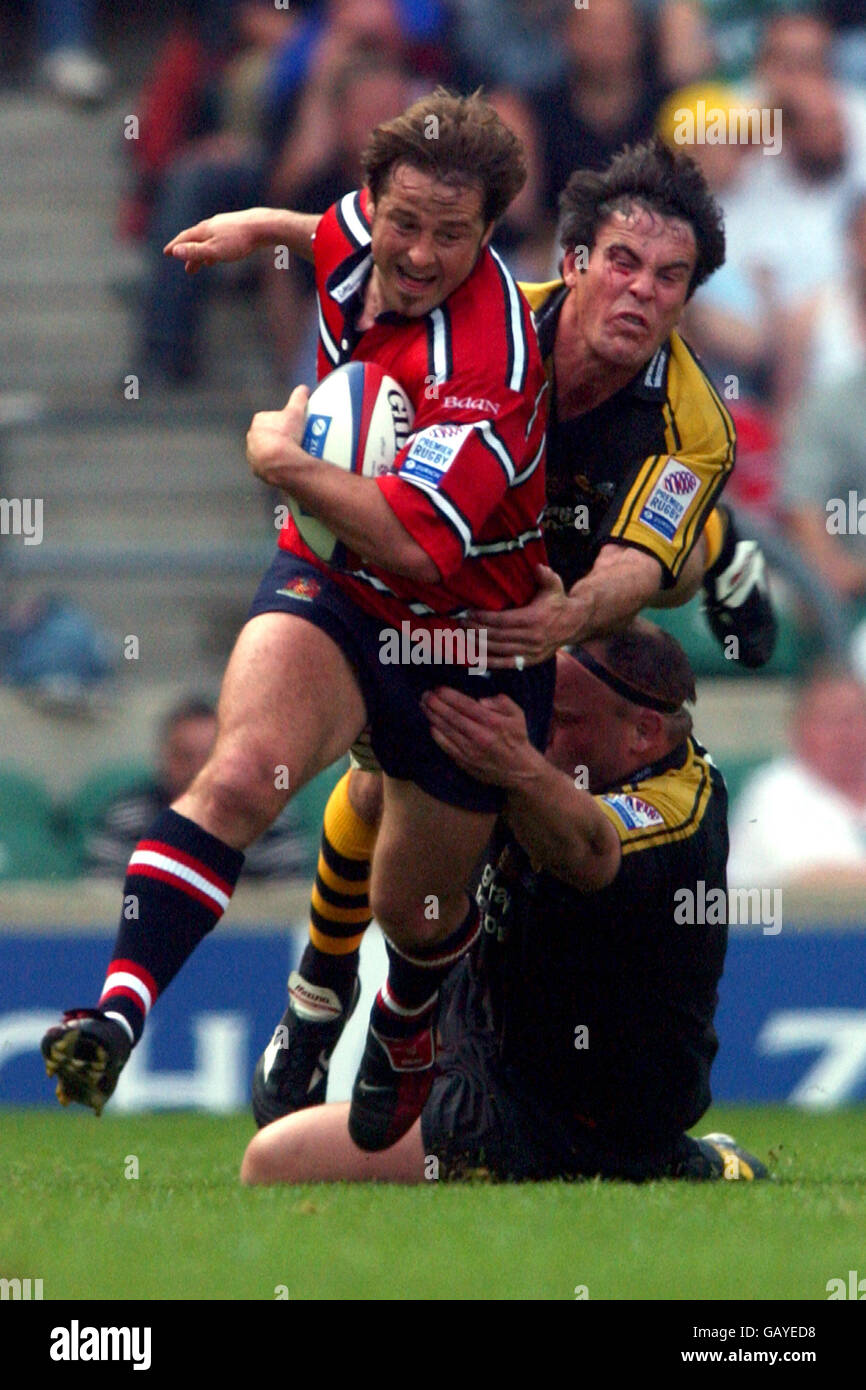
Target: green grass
{"points": [[186, 1229]]}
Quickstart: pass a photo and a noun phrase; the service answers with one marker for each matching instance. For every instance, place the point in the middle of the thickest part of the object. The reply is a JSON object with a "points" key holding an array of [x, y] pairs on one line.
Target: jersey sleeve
{"points": [[671, 494], [457, 467]]}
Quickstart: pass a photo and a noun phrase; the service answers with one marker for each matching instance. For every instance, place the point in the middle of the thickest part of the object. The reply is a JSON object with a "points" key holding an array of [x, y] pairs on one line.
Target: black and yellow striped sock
{"points": [[340, 900]]}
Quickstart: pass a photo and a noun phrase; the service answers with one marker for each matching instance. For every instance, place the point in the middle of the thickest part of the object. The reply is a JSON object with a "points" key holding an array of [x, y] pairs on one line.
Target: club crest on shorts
{"points": [[301, 587]]}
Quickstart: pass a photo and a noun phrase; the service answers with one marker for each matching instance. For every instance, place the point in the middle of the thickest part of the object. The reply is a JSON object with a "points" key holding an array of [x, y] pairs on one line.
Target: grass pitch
{"points": [[185, 1229]]}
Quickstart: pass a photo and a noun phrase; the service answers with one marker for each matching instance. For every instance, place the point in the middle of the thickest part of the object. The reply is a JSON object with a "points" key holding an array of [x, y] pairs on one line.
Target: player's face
{"points": [[590, 727], [426, 238], [633, 289]]}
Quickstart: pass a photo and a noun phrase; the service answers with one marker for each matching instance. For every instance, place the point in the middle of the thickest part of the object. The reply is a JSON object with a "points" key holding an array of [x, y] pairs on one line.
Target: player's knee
{"points": [[243, 784], [260, 1166], [407, 920], [365, 795]]}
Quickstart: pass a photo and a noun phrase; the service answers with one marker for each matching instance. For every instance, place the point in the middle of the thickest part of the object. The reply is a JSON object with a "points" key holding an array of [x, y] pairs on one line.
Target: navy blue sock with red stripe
{"points": [[406, 1003], [178, 884]]}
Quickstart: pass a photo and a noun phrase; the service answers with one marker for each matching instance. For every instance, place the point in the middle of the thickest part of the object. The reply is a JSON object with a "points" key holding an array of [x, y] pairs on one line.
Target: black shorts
{"points": [[399, 731], [481, 1120]]}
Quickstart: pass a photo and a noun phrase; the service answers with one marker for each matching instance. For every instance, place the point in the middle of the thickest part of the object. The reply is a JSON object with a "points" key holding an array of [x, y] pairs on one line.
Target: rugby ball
{"points": [[358, 418]]}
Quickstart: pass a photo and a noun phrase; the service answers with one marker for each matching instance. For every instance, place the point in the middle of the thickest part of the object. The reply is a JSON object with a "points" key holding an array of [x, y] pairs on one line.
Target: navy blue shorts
{"points": [[399, 731]]}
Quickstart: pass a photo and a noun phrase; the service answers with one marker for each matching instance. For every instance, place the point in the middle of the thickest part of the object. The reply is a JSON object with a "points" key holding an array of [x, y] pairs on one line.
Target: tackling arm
{"points": [[561, 827], [622, 581]]}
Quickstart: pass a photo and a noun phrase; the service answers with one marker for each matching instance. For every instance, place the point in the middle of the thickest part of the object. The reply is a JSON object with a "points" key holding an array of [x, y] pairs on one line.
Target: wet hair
{"points": [[653, 177], [459, 140]]}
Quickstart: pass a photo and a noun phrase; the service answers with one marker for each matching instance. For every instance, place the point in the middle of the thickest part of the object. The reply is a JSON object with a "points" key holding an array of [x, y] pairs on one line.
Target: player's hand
{"points": [[532, 633], [274, 440], [229, 236], [486, 738]]}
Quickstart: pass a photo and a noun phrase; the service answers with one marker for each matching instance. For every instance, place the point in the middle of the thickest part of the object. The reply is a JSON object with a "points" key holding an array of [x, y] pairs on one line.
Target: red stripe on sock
{"points": [[132, 967], [150, 871], [159, 847], [128, 994]]}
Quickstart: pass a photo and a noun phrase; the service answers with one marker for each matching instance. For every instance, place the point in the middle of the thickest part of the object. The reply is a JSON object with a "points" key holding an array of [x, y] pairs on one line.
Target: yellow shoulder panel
{"points": [[537, 295], [662, 809]]}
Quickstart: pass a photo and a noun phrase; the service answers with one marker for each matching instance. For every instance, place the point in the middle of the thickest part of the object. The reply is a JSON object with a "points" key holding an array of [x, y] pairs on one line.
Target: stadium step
{"points": [[151, 518]]}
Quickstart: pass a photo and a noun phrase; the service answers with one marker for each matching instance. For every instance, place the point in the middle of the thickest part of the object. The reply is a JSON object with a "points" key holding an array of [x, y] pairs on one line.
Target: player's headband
{"points": [[622, 687]]}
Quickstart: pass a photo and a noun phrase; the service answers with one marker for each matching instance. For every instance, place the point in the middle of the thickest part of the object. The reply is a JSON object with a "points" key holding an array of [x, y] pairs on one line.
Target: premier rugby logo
{"points": [[633, 811], [682, 482], [669, 500]]}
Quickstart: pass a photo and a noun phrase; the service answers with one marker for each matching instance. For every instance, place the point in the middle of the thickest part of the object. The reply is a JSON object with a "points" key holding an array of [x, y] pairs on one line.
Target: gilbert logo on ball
{"points": [[358, 418]]}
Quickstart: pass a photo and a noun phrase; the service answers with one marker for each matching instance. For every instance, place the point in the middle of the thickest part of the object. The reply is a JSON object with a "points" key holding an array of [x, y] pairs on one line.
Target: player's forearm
{"points": [[230, 236], [562, 828], [622, 581], [355, 509], [281, 227]]}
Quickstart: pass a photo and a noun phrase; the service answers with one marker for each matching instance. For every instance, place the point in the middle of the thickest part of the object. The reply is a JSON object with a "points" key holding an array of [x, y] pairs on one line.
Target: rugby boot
{"points": [[391, 1088], [737, 600], [86, 1052], [723, 1158], [292, 1072]]}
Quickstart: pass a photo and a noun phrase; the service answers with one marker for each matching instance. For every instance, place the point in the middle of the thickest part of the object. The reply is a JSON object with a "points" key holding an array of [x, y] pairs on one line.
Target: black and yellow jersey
{"points": [[603, 1002], [644, 468]]}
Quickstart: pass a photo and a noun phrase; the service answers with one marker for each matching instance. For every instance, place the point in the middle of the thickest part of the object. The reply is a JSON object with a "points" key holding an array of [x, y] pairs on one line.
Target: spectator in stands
{"points": [[235, 168], [823, 340], [824, 473], [734, 29], [186, 736], [526, 236], [320, 161], [508, 43], [609, 95], [731, 321], [802, 818], [801, 195], [70, 64]]}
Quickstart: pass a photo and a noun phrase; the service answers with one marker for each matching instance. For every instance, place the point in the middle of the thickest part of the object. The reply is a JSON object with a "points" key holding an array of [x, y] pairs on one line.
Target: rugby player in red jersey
{"points": [[404, 278]]}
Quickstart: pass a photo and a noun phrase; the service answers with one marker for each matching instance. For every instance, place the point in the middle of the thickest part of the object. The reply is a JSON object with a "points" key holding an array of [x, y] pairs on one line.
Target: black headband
{"points": [[622, 687]]}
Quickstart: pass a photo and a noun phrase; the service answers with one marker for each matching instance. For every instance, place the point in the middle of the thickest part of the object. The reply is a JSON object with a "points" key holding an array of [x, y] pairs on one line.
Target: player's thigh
{"points": [[290, 692], [425, 847], [314, 1146]]}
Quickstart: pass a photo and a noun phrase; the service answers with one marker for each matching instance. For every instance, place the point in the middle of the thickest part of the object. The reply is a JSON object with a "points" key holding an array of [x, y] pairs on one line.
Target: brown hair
{"points": [[649, 176], [457, 140]]}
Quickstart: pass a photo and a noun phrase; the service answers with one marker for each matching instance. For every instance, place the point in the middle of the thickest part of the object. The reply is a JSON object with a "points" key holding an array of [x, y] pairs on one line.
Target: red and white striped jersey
{"points": [[469, 483]]}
